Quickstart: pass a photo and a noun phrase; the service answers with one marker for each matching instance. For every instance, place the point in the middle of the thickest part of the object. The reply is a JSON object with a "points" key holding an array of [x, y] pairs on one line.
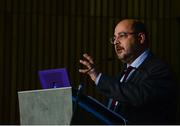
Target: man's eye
{"points": [[122, 35]]}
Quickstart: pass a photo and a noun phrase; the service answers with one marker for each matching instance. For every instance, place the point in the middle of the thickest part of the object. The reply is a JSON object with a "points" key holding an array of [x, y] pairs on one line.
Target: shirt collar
{"points": [[138, 61]]}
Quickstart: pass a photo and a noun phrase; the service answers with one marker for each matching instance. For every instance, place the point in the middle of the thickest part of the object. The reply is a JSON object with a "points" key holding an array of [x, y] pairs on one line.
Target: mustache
{"points": [[117, 47]]}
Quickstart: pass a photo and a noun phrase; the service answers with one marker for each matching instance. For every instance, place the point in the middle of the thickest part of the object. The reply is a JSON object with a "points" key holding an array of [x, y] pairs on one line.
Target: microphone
{"points": [[79, 91]]}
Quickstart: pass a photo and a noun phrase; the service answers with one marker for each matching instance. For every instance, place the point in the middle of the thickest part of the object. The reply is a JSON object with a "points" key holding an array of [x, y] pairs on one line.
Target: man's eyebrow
{"points": [[122, 32], [119, 33]]}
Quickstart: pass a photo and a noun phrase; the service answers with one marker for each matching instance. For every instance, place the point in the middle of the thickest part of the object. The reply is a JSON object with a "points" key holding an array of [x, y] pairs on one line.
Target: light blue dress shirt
{"points": [[136, 63]]}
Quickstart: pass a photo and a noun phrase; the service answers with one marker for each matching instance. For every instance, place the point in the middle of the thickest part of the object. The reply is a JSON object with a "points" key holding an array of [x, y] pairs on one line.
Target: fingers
{"points": [[89, 67], [87, 62], [87, 57], [84, 70]]}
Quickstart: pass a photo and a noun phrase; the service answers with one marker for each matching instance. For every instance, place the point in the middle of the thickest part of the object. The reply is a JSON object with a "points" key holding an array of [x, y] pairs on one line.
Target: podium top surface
{"points": [[43, 90]]}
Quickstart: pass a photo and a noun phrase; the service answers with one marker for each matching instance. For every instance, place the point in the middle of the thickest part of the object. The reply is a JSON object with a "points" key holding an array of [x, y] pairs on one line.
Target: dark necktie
{"points": [[125, 73]]}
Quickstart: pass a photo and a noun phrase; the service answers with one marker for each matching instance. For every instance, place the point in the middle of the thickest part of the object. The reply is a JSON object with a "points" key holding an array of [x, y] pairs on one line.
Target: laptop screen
{"points": [[54, 78]]}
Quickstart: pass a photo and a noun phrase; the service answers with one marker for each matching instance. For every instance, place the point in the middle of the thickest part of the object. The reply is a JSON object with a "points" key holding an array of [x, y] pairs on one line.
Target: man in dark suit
{"points": [[146, 92]]}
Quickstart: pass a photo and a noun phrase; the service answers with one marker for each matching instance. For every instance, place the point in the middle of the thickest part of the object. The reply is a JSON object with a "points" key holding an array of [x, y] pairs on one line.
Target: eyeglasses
{"points": [[121, 36]]}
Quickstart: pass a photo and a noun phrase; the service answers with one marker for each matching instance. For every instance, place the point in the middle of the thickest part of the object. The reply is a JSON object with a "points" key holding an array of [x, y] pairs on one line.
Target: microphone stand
{"points": [[78, 94], [75, 118]]}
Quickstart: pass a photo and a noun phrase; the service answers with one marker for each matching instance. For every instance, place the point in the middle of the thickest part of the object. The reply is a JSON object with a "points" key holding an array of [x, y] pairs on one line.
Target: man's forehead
{"points": [[124, 26]]}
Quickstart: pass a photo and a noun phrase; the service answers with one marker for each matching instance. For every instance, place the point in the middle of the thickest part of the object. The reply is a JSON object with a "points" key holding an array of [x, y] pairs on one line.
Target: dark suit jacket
{"points": [[148, 96]]}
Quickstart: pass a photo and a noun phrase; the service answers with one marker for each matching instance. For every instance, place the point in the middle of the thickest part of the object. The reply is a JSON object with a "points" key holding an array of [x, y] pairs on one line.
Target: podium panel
{"points": [[89, 111], [46, 107]]}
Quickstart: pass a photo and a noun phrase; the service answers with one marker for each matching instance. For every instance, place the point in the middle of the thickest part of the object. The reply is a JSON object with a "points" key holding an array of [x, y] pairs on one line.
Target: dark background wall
{"points": [[45, 34]]}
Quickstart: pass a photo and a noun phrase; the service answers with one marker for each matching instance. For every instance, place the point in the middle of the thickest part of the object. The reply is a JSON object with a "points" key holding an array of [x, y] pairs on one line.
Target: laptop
{"points": [[50, 105], [54, 78]]}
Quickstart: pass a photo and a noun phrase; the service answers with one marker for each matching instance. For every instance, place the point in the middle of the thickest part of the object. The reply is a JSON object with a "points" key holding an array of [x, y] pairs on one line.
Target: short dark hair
{"points": [[139, 26]]}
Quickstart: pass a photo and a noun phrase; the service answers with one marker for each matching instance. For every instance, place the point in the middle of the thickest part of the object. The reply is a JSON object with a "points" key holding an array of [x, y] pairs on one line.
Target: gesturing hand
{"points": [[89, 67]]}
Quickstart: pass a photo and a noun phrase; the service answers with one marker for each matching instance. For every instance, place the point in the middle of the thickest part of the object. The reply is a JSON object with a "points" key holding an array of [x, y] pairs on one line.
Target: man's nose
{"points": [[116, 41]]}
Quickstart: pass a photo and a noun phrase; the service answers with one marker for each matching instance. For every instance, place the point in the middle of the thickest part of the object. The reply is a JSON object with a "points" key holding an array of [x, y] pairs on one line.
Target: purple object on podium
{"points": [[54, 78]]}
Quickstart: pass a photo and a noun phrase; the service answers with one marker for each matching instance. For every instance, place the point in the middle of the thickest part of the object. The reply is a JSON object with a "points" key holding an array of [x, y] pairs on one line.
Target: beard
{"points": [[125, 57], [128, 55]]}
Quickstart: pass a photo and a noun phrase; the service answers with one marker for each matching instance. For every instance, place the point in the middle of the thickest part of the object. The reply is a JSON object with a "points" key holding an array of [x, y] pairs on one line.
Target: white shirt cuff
{"points": [[97, 78]]}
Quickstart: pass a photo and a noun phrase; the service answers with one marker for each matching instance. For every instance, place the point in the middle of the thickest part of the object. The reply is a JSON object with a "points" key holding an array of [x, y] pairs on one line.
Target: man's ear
{"points": [[141, 37]]}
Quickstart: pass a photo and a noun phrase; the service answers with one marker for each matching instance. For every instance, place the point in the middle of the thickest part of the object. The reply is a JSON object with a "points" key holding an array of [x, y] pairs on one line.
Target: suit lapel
{"points": [[141, 68]]}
